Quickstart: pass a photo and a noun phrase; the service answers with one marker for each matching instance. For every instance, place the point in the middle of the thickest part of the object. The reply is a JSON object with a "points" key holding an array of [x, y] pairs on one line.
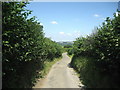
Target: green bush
{"points": [[24, 47], [97, 57], [53, 49], [69, 51]]}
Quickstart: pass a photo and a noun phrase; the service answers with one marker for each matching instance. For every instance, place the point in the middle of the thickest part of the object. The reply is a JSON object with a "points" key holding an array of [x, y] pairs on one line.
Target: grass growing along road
{"points": [[61, 76], [47, 66]]}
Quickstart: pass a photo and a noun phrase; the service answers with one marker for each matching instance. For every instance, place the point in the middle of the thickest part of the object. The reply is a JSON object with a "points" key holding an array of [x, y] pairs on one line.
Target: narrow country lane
{"points": [[61, 76]]}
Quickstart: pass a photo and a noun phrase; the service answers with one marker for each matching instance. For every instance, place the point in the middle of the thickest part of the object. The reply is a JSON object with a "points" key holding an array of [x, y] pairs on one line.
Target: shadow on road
{"points": [[81, 87], [69, 65]]}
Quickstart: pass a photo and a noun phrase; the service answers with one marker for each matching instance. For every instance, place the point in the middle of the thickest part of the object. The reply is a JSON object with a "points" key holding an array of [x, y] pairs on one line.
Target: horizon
{"points": [[66, 21]]}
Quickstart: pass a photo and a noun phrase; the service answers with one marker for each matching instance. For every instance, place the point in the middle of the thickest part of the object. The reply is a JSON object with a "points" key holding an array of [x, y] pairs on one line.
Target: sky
{"points": [[66, 21]]}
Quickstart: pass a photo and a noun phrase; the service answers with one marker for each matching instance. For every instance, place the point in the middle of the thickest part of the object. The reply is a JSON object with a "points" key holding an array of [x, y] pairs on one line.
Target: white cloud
{"points": [[72, 34], [103, 18], [62, 33], [96, 15], [77, 33], [53, 22], [69, 34], [65, 34], [100, 17]]}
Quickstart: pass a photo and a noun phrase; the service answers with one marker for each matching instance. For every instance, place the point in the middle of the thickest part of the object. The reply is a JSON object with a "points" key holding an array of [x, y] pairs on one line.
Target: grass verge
{"points": [[43, 73], [47, 66]]}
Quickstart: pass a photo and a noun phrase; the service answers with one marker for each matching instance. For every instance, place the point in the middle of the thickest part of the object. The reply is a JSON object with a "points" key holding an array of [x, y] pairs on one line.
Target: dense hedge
{"points": [[68, 49], [97, 56], [24, 46]]}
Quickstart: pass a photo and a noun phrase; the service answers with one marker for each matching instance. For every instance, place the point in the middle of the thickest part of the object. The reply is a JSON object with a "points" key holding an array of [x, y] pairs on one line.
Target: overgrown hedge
{"points": [[68, 49], [97, 56], [24, 46]]}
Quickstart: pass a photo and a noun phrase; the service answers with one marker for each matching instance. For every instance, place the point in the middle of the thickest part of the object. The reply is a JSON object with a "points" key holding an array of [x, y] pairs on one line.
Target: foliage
{"points": [[24, 46], [47, 66], [68, 49], [68, 46], [53, 49], [97, 57]]}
